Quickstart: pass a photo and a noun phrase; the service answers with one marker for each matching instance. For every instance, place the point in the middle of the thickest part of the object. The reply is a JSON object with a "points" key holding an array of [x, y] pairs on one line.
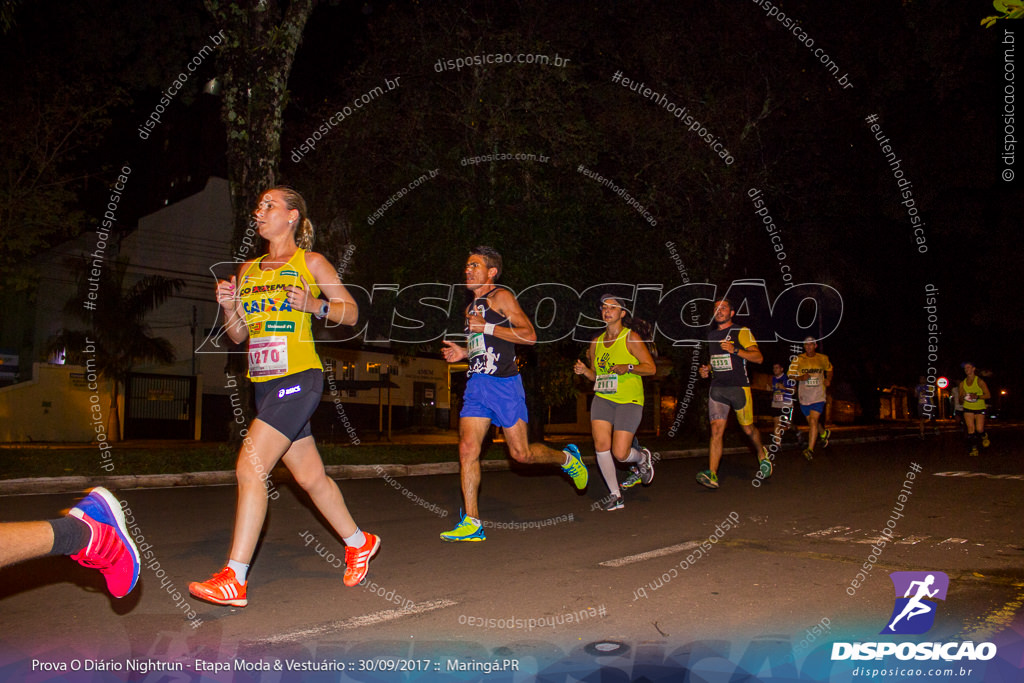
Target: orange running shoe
{"points": [[222, 589], [358, 559]]}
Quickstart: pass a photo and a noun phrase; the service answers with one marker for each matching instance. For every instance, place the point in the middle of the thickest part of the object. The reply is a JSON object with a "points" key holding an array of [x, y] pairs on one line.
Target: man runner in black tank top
{"points": [[494, 393], [731, 347]]}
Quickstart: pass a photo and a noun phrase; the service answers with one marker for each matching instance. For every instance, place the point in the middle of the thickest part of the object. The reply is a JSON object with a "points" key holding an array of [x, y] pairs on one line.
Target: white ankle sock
{"points": [[357, 540], [241, 571]]}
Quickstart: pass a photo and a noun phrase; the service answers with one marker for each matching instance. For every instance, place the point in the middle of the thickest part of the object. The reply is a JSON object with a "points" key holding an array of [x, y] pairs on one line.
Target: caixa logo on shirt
{"points": [[281, 393], [913, 613]]}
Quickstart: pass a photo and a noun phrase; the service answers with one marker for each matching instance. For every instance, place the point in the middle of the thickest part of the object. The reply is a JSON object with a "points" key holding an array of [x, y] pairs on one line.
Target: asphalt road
{"points": [[683, 576]]}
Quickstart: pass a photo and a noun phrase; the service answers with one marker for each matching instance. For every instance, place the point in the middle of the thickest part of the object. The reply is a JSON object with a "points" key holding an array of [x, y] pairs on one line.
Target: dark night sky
{"points": [[932, 75]]}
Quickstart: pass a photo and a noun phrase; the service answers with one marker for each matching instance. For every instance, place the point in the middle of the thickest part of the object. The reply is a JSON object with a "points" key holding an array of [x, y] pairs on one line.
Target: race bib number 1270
{"points": [[268, 356]]}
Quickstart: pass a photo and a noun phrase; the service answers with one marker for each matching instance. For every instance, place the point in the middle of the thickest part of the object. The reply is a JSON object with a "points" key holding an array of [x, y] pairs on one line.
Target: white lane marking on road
{"points": [[829, 531], [651, 554], [986, 475], [874, 539], [359, 621], [911, 540]]}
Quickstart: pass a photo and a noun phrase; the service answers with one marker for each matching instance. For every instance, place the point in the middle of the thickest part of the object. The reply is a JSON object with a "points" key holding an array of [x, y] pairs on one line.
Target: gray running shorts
{"points": [[625, 417]]}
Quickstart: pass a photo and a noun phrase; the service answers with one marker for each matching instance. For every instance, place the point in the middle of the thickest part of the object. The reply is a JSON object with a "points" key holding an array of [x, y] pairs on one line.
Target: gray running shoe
{"points": [[614, 503], [646, 467]]}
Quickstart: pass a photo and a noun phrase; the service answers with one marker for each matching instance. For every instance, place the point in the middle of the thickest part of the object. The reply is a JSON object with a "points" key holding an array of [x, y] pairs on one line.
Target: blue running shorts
{"points": [[818, 407], [500, 399]]}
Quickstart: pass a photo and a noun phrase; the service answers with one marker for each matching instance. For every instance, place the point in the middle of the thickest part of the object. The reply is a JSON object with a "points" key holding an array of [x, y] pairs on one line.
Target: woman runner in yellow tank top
{"points": [[269, 303], [974, 393], [616, 360]]}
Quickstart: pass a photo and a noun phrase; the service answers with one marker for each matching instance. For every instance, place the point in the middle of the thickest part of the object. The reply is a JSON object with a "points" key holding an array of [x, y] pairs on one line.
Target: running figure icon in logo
{"points": [[926, 588]]}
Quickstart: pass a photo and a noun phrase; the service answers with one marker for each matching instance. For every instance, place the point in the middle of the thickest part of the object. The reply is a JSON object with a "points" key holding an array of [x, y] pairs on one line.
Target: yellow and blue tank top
{"points": [[626, 388], [280, 339], [729, 369]]}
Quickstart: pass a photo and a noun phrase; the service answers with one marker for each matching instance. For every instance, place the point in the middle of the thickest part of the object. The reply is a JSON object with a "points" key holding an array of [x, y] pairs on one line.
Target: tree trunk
{"points": [[261, 38], [260, 43]]}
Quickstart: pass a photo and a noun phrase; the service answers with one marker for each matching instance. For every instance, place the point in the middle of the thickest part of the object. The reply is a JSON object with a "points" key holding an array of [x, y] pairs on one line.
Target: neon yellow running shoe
{"points": [[576, 469], [765, 464], [465, 530], [708, 478]]}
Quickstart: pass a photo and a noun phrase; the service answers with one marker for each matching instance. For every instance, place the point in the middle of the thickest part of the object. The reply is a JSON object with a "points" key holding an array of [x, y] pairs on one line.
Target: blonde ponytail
{"points": [[304, 234]]}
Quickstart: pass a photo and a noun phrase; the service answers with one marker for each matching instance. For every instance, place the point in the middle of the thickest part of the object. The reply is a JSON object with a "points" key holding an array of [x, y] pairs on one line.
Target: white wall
{"points": [[55, 405], [185, 240]]}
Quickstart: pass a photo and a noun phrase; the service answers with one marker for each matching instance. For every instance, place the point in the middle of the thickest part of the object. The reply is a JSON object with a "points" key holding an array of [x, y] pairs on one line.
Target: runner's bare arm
{"points": [[984, 389], [342, 307], [453, 353], [640, 351], [587, 369], [231, 304], [503, 302]]}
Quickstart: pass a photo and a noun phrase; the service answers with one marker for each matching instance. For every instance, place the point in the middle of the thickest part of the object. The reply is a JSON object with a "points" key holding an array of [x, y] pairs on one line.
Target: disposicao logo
{"points": [[914, 612]]}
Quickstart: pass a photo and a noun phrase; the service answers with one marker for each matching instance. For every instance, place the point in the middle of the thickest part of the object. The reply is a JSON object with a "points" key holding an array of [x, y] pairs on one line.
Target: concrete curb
{"points": [[119, 482]]}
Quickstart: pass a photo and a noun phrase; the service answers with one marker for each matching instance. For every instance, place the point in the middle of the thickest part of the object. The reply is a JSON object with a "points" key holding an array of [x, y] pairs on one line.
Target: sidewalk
{"points": [[842, 434]]}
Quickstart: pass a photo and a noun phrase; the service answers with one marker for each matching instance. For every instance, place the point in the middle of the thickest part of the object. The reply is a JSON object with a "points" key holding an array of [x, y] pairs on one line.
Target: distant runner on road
{"points": [[974, 393], [783, 388], [813, 372]]}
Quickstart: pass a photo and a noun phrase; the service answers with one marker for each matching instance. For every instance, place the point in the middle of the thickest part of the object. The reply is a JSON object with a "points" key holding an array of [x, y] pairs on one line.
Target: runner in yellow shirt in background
{"points": [[813, 373]]}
